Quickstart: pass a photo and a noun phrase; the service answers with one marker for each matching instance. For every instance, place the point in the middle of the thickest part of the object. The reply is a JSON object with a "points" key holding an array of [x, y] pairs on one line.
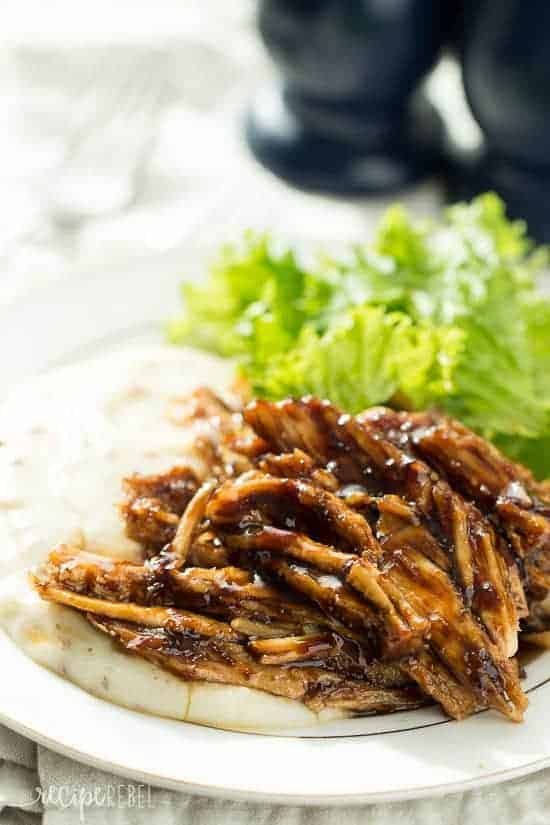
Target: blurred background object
{"points": [[74, 200], [116, 134], [347, 116], [122, 124], [506, 70], [347, 112]]}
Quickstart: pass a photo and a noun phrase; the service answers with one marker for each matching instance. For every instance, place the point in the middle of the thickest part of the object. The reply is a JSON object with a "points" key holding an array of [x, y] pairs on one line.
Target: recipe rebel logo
{"points": [[110, 795]]}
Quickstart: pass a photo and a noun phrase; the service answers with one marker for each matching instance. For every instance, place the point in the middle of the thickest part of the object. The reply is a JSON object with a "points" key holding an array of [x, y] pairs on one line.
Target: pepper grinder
{"points": [[506, 69], [345, 115]]}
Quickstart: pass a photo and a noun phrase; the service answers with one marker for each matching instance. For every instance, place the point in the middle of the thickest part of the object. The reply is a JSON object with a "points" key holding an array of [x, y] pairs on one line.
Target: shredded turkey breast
{"points": [[370, 563]]}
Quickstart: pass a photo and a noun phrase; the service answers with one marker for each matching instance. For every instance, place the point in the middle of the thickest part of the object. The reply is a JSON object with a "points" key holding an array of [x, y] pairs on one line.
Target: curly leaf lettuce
{"points": [[366, 356], [442, 313]]}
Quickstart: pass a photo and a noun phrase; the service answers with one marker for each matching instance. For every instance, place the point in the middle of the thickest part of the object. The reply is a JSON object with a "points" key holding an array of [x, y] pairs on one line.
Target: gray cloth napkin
{"points": [[70, 793]]}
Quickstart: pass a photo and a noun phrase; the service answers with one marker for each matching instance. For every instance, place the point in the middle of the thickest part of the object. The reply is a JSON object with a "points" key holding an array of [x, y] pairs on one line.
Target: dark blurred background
{"points": [[129, 127]]}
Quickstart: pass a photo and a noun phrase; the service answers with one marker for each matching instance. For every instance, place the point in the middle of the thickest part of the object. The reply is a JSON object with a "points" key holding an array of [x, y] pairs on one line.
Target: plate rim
{"points": [[217, 791]]}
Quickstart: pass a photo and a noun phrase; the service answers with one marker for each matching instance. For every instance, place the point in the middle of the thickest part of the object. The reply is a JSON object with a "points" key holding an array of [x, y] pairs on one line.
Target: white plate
{"points": [[406, 755]]}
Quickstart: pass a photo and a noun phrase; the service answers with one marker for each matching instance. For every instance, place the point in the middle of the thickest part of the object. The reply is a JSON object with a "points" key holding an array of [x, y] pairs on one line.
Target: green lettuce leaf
{"points": [[250, 287], [442, 313], [366, 356]]}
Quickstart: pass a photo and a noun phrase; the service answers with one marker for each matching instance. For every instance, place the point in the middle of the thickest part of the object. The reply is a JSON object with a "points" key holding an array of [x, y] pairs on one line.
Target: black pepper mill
{"points": [[506, 68], [346, 116]]}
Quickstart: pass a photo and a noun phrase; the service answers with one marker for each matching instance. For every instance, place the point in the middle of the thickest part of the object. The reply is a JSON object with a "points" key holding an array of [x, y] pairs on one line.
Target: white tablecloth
{"points": [[201, 183]]}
